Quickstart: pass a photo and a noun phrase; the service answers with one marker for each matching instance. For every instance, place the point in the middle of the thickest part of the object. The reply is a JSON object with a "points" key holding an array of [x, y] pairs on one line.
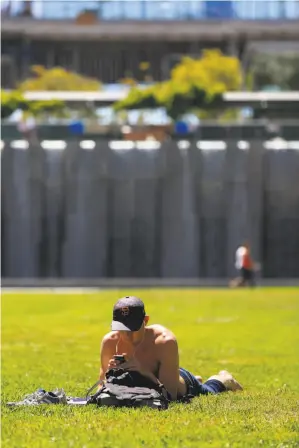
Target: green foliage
{"points": [[55, 79], [53, 107], [10, 101], [194, 84], [276, 70], [252, 333], [58, 79], [220, 115]]}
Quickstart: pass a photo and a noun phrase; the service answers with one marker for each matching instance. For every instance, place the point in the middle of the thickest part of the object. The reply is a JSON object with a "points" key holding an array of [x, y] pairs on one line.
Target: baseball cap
{"points": [[128, 314]]}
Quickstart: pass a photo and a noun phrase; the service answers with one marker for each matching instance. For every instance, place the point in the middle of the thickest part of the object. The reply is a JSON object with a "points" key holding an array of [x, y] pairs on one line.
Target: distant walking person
{"points": [[246, 267]]}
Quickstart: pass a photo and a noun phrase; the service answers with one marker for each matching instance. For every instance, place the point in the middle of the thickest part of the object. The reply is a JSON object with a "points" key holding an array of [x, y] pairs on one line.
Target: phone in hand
{"points": [[119, 358]]}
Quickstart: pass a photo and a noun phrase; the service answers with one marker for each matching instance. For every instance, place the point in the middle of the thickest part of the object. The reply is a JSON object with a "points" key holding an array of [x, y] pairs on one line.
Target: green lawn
{"points": [[53, 340]]}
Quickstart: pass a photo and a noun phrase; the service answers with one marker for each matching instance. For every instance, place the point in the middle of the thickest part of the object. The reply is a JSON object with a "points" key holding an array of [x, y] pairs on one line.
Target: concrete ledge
{"points": [[153, 30], [136, 283]]}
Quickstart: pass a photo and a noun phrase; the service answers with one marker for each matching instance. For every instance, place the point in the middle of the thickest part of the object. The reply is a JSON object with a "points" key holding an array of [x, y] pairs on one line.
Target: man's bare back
{"points": [[153, 351], [152, 354]]}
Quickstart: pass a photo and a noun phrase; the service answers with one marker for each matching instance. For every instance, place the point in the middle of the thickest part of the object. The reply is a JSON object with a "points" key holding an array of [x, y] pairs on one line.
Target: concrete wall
{"points": [[175, 211]]}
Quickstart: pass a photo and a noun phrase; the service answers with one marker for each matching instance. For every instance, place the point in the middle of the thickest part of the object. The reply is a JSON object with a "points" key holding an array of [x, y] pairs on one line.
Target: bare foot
{"points": [[227, 380]]}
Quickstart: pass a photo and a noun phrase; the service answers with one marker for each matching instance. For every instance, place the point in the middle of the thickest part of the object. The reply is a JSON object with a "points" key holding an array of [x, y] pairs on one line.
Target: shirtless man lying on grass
{"points": [[153, 351]]}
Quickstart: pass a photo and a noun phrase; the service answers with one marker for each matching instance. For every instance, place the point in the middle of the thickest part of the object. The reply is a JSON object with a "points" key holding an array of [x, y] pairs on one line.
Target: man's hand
{"points": [[114, 363], [131, 364]]}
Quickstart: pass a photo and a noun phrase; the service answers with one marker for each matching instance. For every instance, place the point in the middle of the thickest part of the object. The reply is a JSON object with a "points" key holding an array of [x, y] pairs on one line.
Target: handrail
{"points": [[111, 97]]}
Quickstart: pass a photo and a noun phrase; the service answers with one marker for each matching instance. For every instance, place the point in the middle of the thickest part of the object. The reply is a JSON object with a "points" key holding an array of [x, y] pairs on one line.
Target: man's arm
{"points": [[169, 366], [107, 352]]}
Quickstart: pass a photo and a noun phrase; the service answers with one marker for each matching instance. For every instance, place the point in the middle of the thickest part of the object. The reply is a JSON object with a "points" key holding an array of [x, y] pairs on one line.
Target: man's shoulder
{"points": [[162, 335], [110, 338]]}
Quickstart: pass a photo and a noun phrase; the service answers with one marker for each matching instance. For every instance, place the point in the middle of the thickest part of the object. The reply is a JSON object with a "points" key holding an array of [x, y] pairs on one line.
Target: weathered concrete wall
{"points": [[281, 223], [175, 211]]}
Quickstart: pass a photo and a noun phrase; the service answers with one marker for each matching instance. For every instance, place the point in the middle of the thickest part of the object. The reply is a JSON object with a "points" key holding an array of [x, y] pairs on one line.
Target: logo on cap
{"points": [[125, 311]]}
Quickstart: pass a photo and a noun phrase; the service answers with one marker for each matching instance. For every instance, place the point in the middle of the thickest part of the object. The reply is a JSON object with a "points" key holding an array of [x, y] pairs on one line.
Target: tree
{"points": [[194, 84], [56, 79]]}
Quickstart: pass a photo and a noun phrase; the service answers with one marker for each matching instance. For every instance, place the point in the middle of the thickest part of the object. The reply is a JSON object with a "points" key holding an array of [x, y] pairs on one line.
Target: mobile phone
{"points": [[119, 358]]}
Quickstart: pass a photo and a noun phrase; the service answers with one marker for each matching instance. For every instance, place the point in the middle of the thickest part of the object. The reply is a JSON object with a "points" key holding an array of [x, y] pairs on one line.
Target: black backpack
{"points": [[125, 388]]}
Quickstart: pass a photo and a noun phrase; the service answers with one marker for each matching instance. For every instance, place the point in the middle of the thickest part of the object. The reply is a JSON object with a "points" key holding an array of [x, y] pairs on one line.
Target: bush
{"points": [[194, 84], [58, 79], [11, 101]]}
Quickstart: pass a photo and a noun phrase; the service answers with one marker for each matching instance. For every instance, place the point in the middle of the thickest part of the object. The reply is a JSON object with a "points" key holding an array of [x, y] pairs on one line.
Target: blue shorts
{"points": [[195, 388]]}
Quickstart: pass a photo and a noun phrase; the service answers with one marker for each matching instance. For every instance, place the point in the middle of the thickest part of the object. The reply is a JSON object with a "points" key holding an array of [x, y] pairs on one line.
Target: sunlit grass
{"points": [[53, 340]]}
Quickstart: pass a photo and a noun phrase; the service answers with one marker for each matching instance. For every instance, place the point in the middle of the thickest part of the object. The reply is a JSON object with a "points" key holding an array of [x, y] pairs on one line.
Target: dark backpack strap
{"points": [[91, 389], [163, 391], [185, 399]]}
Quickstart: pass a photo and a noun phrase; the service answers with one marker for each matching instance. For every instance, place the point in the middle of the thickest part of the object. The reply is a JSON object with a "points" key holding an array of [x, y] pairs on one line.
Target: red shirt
{"points": [[247, 261]]}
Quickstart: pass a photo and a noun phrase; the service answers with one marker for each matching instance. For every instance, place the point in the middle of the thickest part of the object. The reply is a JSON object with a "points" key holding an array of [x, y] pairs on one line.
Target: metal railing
{"points": [[161, 9]]}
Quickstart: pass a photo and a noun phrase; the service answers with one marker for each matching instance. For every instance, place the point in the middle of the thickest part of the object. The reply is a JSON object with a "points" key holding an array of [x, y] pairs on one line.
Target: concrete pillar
{"points": [[53, 217], [237, 202], [213, 212], [255, 200], [179, 219], [85, 252], [281, 213], [146, 224], [21, 251]]}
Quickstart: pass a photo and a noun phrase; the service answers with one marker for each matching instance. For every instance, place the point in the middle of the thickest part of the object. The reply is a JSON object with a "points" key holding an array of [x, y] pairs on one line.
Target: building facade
{"points": [[125, 33], [161, 9]]}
